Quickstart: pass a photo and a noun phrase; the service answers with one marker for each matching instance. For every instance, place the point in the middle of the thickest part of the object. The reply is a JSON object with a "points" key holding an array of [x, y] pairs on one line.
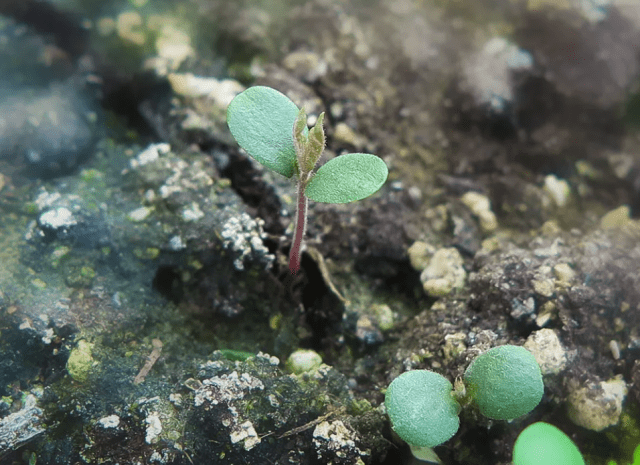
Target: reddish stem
{"points": [[300, 227]]}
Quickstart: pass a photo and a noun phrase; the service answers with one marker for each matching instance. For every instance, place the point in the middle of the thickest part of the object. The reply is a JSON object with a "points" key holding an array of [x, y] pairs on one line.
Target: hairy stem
{"points": [[300, 227]]}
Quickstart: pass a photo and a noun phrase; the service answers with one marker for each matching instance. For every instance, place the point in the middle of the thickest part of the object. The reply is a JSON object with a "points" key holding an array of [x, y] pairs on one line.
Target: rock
{"points": [[488, 74], [49, 130], [305, 65], [480, 206], [598, 405], [444, 273], [558, 189], [303, 360], [548, 351]]}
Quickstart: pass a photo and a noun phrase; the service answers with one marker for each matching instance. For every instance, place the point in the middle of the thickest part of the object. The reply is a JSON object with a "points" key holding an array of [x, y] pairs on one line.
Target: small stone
{"points": [[220, 91], [488, 73], [545, 314], [384, 316], [246, 433], [597, 405], [548, 351], [544, 287], [173, 48], [419, 255], [344, 134], [139, 214], [111, 421], [176, 243], [129, 26], [438, 217], [154, 428], [335, 436], [39, 283], [150, 154], [80, 361], [616, 218], [57, 218], [621, 164], [444, 273], [367, 331], [308, 66], [303, 360], [480, 206], [192, 212], [564, 274], [558, 189]]}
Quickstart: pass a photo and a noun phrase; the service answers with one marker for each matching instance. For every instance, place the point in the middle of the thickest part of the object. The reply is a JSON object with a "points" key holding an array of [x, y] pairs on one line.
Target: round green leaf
{"points": [[505, 382], [261, 120], [421, 409], [347, 178], [544, 444]]}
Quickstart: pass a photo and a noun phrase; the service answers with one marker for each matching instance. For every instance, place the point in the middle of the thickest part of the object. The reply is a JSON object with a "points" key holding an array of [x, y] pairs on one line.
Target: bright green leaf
{"points": [[347, 178], [261, 120], [544, 444]]}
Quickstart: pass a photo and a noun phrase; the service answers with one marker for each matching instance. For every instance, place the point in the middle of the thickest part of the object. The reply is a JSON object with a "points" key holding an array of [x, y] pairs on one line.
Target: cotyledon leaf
{"points": [[347, 178], [261, 120]]}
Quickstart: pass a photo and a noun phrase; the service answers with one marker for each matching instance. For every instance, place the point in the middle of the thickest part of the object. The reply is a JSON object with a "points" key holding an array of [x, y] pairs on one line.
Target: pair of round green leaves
{"points": [[261, 120], [504, 382]]}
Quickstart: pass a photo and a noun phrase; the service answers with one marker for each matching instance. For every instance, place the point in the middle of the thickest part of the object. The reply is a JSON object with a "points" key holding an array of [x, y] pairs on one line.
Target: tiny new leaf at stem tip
{"points": [[316, 143]]}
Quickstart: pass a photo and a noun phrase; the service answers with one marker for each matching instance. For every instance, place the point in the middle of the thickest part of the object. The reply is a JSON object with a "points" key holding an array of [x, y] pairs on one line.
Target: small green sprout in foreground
{"points": [[273, 130], [504, 383], [636, 458], [544, 444]]}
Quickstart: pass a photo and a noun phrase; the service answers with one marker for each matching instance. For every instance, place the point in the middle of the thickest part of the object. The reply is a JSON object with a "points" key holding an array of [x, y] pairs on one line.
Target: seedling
{"points": [[273, 130], [504, 383], [544, 444]]}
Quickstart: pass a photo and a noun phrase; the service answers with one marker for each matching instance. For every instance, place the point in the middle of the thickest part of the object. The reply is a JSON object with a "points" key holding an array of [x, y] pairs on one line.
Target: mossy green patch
{"points": [[80, 361]]}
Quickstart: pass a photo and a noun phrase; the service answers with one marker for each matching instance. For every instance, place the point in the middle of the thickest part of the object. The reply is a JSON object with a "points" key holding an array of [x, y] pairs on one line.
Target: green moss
{"points": [[80, 361], [30, 208], [81, 277], [39, 283], [58, 254], [150, 253], [89, 175], [359, 407], [236, 355]]}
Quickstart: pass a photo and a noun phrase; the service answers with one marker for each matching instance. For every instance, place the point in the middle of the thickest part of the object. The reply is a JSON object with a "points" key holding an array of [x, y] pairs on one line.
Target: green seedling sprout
{"points": [[273, 131], [544, 444], [636, 458], [504, 383]]}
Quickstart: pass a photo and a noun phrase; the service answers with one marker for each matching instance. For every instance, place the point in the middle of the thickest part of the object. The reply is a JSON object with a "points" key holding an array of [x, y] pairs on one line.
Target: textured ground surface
{"points": [[144, 293]]}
